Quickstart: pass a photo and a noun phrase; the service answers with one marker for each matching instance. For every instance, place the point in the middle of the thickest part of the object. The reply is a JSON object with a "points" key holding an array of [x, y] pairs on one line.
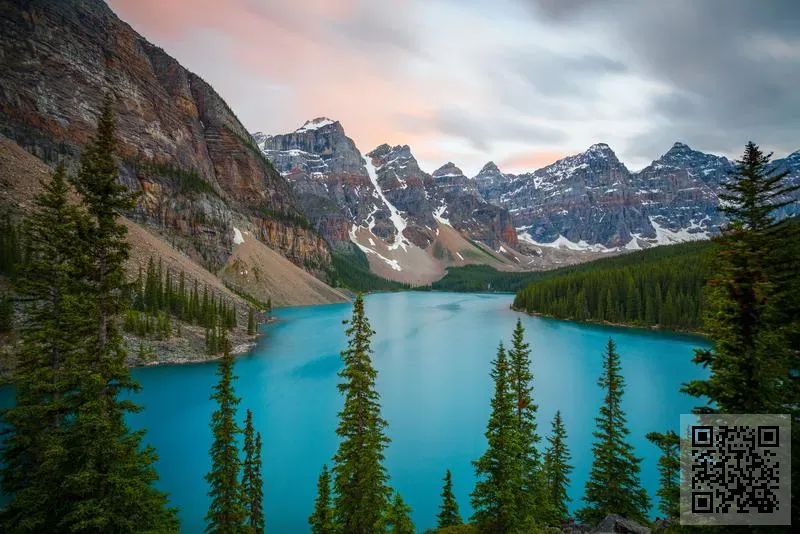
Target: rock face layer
{"points": [[180, 144], [592, 201], [384, 195]]}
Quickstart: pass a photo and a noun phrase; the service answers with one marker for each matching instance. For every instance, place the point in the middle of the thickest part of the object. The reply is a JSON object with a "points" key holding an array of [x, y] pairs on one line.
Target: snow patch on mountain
{"points": [[564, 243], [665, 236], [314, 124], [238, 239], [394, 264], [438, 212], [394, 215]]}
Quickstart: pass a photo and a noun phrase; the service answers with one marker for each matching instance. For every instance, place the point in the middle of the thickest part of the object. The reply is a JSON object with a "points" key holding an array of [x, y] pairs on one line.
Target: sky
{"points": [[518, 82]]}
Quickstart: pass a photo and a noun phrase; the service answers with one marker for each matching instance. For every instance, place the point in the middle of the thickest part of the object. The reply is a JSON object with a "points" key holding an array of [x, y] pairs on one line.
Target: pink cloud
{"points": [[529, 161]]}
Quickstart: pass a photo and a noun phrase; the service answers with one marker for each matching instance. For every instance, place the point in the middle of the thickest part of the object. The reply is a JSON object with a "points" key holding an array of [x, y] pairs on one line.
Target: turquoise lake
{"points": [[433, 353]]}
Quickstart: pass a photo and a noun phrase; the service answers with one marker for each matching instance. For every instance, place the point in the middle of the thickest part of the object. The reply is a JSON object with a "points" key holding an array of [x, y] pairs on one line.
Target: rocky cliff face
{"points": [[384, 191], [490, 181], [179, 142], [329, 178], [591, 201]]}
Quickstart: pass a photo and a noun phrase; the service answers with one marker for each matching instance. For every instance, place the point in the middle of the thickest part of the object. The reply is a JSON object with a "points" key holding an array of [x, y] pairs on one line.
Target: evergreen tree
{"points": [[251, 322], [753, 304], [360, 485], [226, 512], [749, 358], [322, 520], [532, 503], [105, 463], [669, 468], [557, 468], [613, 486], [6, 314], [448, 515], [495, 496], [51, 330], [398, 517], [252, 484]]}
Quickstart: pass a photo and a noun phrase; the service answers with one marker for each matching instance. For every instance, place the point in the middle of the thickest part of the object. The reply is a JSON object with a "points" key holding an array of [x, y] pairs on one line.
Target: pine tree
{"points": [[753, 314], [226, 512], [252, 484], [613, 486], [105, 462], [398, 517], [495, 496], [360, 485], [749, 358], [51, 333], [448, 515], [557, 468], [322, 520], [532, 499], [251, 322], [669, 468]]}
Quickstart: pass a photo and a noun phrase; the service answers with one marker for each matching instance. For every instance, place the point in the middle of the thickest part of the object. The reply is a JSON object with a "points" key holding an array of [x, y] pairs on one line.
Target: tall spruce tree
{"points": [[533, 504], [51, 332], [669, 469], [448, 515], [750, 357], [753, 300], [322, 520], [105, 463], [252, 482], [398, 517], [557, 468], [613, 486], [495, 497], [361, 490], [226, 512], [251, 322]]}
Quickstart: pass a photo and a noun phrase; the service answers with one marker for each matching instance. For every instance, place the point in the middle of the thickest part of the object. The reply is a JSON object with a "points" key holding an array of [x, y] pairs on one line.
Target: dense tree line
{"points": [[476, 278], [659, 287], [160, 291], [351, 271], [11, 248]]}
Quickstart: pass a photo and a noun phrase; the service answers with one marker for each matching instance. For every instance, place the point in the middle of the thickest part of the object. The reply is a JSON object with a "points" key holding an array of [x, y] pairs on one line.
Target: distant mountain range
{"points": [[588, 202]]}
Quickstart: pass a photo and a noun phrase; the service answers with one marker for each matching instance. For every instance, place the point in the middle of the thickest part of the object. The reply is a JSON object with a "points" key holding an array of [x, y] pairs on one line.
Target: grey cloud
{"points": [[726, 91], [373, 25], [478, 129], [552, 75]]}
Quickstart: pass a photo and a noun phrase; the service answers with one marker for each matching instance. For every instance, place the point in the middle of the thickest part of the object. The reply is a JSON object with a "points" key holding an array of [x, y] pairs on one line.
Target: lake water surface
{"points": [[433, 353]]}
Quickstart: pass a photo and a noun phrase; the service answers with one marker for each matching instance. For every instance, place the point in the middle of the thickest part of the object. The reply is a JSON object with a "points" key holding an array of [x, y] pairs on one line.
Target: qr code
{"points": [[735, 469]]}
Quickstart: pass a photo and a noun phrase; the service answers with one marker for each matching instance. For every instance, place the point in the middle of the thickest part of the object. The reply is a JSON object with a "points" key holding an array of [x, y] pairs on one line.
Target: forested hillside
{"points": [[657, 287]]}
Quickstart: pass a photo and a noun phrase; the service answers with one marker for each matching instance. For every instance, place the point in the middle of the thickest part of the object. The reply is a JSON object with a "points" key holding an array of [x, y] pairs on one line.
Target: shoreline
{"points": [[652, 328], [240, 348]]}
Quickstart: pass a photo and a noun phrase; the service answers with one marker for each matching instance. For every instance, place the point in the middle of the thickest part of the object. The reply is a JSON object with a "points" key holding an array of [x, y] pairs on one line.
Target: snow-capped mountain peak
{"points": [[315, 124]]}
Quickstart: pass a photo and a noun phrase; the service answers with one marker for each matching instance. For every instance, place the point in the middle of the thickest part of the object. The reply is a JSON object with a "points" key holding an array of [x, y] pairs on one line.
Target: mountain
{"points": [[490, 181], [408, 223], [591, 201], [181, 146], [201, 177]]}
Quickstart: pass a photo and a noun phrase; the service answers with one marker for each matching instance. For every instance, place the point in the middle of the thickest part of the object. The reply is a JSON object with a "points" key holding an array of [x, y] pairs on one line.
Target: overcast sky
{"points": [[520, 82]]}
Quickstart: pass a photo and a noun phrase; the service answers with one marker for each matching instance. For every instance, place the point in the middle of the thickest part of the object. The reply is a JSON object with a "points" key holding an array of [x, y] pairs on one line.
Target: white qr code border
{"points": [[735, 469]]}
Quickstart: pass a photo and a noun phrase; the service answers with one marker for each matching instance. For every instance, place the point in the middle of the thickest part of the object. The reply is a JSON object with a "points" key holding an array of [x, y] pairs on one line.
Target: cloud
{"points": [[525, 161], [732, 66], [507, 80]]}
